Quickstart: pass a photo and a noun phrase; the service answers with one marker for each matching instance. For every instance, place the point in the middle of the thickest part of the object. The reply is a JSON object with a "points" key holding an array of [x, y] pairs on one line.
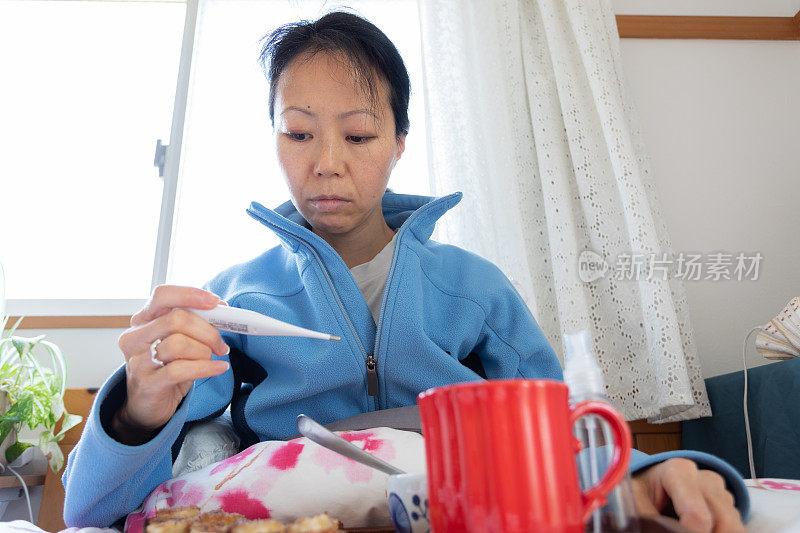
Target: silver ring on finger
{"points": [[153, 354]]}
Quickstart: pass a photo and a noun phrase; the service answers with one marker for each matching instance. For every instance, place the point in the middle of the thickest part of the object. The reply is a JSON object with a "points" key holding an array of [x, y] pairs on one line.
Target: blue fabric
{"points": [[773, 404], [443, 305]]}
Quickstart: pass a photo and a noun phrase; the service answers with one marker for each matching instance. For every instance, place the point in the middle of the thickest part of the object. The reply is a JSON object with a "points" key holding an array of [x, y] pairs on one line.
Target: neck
{"points": [[360, 244]]}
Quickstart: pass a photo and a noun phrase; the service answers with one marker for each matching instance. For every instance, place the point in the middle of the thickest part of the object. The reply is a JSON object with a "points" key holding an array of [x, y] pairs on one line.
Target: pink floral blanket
{"points": [[285, 480]]}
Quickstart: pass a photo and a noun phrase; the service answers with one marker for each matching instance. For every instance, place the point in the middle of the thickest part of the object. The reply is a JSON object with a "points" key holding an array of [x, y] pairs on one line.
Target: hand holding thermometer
{"points": [[252, 323]]}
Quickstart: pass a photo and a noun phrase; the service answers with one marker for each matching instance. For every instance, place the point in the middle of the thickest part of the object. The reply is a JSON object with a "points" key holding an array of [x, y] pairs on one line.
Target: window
{"points": [[94, 97], [83, 98]]}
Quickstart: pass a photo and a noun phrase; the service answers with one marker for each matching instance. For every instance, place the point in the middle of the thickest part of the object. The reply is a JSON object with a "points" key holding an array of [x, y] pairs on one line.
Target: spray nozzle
{"points": [[582, 374]]}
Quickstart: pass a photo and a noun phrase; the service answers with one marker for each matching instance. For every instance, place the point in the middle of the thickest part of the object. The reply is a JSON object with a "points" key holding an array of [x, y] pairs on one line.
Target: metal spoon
{"points": [[318, 433]]}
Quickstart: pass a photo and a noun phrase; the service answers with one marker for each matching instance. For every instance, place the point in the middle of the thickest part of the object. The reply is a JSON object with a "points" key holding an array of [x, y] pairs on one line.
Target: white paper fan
{"points": [[780, 338]]}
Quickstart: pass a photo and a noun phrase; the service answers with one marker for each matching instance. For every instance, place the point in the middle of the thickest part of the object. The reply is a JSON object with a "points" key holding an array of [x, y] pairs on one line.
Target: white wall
{"points": [[91, 354], [721, 120]]}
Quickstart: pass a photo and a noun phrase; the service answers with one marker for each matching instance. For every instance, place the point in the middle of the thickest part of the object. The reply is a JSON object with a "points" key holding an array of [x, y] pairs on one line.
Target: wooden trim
{"points": [[656, 438], [683, 27], [72, 322], [10, 480], [643, 426]]}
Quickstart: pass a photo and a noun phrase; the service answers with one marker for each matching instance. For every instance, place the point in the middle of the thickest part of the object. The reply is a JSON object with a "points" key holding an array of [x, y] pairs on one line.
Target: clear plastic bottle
{"points": [[585, 381]]}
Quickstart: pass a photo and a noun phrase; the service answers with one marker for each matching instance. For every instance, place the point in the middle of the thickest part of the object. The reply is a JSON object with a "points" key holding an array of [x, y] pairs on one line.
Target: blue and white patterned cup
{"points": [[408, 503]]}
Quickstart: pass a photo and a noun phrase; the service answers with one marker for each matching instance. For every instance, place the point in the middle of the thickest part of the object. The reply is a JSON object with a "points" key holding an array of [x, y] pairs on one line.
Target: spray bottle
{"points": [[585, 381]]}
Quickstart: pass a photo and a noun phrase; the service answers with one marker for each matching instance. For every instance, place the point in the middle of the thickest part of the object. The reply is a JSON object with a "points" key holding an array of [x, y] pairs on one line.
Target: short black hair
{"points": [[348, 37]]}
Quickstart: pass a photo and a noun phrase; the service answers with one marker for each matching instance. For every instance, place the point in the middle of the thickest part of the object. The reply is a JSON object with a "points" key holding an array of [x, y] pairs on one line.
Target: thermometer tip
{"points": [[335, 338]]}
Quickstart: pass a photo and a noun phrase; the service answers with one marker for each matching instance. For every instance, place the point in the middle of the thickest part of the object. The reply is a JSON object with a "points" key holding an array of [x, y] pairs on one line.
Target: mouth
{"points": [[328, 203], [327, 197]]}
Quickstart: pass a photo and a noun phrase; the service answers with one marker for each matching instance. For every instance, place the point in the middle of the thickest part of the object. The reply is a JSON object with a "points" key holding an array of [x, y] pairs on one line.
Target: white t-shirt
{"points": [[371, 277]]}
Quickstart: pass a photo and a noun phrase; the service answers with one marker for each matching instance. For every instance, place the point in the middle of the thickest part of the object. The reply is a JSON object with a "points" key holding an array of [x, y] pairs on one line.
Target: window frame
{"points": [[115, 313]]}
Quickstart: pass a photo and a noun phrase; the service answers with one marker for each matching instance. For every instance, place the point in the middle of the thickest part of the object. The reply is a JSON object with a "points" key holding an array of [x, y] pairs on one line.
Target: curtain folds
{"points": [[529, 115]]}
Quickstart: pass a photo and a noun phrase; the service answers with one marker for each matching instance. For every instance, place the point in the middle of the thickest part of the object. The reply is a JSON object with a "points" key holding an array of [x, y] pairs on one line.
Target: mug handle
{"points": [[595, 497]]}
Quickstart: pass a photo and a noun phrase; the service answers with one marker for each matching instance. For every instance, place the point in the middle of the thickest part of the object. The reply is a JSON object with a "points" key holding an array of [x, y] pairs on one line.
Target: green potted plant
{"points": [[31, 393]]}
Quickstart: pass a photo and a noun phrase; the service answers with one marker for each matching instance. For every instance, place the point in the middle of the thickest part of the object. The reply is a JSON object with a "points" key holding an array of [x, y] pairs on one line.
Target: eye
{"points": [[298, 136], [358, 139]]}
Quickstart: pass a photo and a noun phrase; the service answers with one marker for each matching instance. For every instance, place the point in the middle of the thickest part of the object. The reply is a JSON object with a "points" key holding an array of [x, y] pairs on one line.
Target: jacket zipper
{"points": [[372, 363], [385, 297], [372, 375]]}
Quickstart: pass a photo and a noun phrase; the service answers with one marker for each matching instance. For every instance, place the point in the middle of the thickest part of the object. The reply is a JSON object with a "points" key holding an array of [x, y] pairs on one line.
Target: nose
{"points": [[330, 162]]}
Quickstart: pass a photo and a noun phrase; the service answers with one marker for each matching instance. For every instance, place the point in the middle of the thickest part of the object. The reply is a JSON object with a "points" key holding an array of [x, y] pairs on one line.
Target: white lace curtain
{"points": [[530, 116]]}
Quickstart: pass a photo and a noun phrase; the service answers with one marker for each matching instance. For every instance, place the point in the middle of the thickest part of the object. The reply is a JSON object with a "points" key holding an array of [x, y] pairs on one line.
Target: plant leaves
{"points": [[5, 428], [51, 450], [16, 449], [20, 344], [9, 419], [25, 345], [24, 404], [15, 326], [57, 407], [69, 422], [35, 393]]}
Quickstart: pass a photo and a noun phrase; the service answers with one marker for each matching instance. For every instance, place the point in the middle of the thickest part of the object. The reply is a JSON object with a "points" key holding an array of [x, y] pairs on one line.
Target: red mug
{"points": [[501, 457]]}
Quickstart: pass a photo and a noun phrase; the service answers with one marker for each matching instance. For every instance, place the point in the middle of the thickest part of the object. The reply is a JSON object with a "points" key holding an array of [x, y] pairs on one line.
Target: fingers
{"points": [[194, 338], [699, 497], [647, 504], [179, 346], [183, 371], [145, 376], [682, 484], [167, 297], [721, 502]]}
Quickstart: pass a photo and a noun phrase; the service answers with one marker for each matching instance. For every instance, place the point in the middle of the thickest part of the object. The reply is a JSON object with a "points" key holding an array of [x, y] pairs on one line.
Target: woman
{"points": [[355, 261]]}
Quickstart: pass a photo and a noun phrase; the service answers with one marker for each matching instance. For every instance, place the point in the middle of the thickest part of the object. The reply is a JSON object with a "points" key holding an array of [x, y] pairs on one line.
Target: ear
{"points": [[400, 141], [401, 145]]}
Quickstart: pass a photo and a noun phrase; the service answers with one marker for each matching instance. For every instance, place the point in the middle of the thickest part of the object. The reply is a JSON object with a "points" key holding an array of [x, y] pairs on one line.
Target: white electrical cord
{"points": [[24, 488], [744, 404]]}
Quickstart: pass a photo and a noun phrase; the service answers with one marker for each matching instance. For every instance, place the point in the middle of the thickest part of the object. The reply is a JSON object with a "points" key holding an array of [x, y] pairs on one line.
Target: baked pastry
{"points": [[170, 525], [322, 523], [189, 520], [214, 522], [176, 512], [174, 520], [258, 526]]}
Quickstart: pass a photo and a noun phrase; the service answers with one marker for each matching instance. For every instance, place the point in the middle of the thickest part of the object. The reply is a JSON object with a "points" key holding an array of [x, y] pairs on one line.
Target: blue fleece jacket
{"points": [[446, 316]]}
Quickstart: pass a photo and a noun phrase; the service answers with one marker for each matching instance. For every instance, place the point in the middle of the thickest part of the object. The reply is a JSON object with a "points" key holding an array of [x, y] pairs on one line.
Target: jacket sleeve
{"points": [[105, 480], [511, 344]]}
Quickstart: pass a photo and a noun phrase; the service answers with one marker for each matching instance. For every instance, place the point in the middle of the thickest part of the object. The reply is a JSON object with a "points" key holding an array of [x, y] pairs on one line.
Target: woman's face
{"points": [[336, 149]]}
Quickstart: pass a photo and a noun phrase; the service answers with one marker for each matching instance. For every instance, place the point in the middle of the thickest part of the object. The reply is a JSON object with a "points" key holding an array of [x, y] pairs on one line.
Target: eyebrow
{"points": [[341, 116]]}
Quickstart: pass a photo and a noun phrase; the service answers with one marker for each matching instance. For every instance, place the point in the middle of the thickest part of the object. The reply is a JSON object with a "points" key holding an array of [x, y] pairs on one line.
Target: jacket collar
{"points": [[416, 215]]}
